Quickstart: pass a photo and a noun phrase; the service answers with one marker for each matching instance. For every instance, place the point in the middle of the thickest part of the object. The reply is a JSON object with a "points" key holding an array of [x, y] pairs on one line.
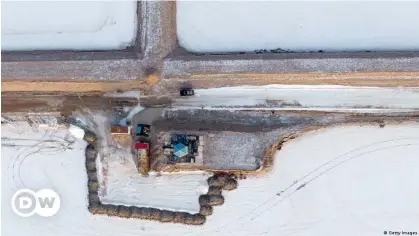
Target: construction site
{"points": [[162, 140], [174, 120], [191, 154]]}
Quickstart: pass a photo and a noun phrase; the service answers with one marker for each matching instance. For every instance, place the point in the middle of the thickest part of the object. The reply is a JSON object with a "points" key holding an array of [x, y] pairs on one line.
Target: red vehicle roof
{"points": [[141, 145]]}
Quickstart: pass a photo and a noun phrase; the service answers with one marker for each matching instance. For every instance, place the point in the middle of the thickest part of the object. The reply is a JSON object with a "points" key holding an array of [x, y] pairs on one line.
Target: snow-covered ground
{"points": [[176, 191], [351, 180], [238, 26], [70, 25], [304, 97]]}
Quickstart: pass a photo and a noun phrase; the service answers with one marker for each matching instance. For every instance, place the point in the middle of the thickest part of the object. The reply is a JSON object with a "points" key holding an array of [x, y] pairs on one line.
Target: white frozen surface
{"points": [[71, 25], [176, 191], [236, 26], [359, 181], [125, 94], [301, 97], [76, 131]]}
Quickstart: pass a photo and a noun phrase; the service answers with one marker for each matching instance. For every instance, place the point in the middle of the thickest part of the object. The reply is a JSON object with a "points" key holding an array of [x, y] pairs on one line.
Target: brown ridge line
{"points": [[72, 87], [375, 79]]}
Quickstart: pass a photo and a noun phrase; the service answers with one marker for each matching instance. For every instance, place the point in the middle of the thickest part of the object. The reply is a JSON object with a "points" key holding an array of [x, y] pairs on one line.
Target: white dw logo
{"points": [[26, 202]]}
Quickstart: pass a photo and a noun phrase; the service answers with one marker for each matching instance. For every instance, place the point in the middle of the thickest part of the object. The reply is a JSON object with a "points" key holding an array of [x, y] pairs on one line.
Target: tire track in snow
{"points": [[322, 173], [298, 181], [253, 214], [53, 145]]}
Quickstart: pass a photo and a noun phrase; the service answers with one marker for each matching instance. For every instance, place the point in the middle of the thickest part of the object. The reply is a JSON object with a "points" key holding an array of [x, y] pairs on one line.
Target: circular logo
{"points": [[26, 202]]}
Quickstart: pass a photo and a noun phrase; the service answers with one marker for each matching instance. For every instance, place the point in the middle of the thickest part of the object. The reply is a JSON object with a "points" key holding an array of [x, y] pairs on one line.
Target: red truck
{"points": [[143, 155]]}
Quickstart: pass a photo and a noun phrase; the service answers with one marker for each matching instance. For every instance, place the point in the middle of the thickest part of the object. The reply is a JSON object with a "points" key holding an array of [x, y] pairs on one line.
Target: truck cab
{"points": [[142, 148]]}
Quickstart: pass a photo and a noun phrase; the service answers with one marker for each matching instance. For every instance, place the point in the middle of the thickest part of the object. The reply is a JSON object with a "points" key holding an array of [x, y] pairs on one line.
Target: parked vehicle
{"points": [[143, 130], [143, 155], [187, 92]]}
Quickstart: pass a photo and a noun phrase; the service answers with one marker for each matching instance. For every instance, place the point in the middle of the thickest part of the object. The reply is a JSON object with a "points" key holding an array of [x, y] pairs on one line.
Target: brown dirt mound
{"points": [[212, 190], [211, 200], [91, 165], [93, 186], [167, 216], [179, 217], [92, 175], [148, 213], [206, 210], [111, 210], [189, 220], [198, 219], [97, 209], [136, 212], [155, 214], [93, 199], [124, 212], [91, 152], [230, 184], [145, 213], [216, 181], [141, 213], [90, 137]]}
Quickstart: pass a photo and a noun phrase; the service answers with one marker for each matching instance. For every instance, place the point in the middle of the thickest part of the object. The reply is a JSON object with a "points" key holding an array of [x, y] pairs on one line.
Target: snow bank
{"points": [[76, 131], [125, 94], [300, 97]]}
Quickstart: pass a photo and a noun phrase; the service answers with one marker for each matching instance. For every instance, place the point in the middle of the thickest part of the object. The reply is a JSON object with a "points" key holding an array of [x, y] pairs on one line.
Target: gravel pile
{"points": [[230, 184], [198, 219], [91, 152], [124, 212], [216, 183], [211, 200], [90, 137], [167, 216], [212, 190], [91, 165], [111, 210], [205, 210], [155, 214], [97, 209], [92, 176], [93, 186], [179, 217]]}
